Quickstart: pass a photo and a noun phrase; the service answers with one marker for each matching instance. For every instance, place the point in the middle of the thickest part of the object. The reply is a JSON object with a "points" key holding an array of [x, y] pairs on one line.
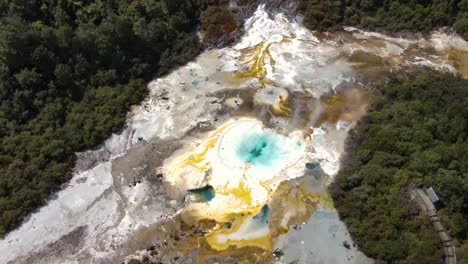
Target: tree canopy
{"points": [[69, 71], [416, 135], [389, 15]]}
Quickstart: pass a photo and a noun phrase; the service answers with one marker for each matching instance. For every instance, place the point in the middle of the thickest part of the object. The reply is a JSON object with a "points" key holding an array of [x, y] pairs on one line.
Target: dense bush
{"points": [[217, 22], [416, 135], [69, 71], [390, 15]]}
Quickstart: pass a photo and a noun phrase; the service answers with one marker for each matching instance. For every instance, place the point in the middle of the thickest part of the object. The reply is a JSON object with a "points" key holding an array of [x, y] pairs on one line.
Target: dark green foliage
{"points": [[69, 71], [461, 26], [415, 135], [390, 15], [323, 15]]}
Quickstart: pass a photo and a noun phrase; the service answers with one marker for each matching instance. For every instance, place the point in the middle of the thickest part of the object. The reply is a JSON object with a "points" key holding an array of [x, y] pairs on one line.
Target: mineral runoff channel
{"points": [[229, 158]]}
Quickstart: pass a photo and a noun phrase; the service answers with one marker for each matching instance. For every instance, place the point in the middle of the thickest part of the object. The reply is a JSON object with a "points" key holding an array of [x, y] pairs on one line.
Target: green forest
{"points": [[69, 71], [416, 135], [388, 15]]}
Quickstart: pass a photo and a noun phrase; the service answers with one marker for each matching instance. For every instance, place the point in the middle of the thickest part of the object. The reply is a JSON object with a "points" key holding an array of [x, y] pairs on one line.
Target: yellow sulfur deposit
{"points": [[459, 58]]}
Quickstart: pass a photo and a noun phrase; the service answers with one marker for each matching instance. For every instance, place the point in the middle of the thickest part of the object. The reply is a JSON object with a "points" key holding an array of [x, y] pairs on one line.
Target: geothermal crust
{"points": [[229, 157]]}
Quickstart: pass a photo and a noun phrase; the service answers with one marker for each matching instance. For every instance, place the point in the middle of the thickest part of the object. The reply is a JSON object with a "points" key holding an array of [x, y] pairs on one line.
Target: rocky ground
{"points": [[118, 203]]}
